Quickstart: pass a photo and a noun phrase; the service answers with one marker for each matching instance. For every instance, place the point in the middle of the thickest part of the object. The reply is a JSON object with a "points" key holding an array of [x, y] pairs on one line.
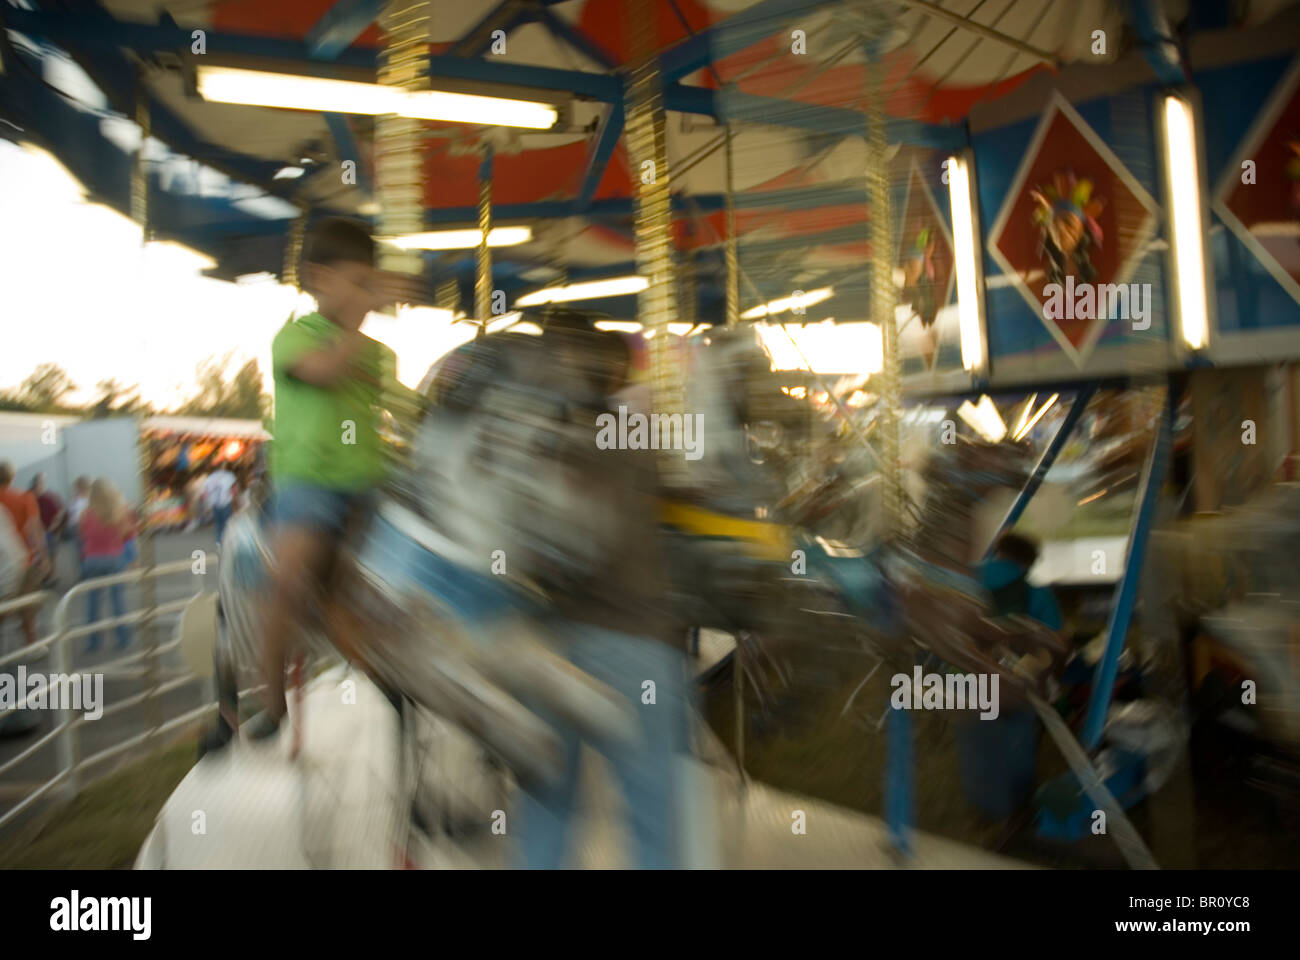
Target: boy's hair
{"points": [[338, 240], [1019, 550]]}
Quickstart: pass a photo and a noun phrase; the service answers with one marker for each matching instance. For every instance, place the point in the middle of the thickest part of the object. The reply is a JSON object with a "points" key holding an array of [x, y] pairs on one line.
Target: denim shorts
{"points": [[476, 597], [315, 508]]}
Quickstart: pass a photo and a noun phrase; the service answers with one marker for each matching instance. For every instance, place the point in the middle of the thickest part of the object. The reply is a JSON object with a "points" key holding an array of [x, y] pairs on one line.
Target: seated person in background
{"points": [[1005, 576]]}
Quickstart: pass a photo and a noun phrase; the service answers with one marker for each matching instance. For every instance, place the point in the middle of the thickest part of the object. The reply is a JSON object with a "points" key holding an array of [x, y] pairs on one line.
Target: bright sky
{"points": [[80, 291]]}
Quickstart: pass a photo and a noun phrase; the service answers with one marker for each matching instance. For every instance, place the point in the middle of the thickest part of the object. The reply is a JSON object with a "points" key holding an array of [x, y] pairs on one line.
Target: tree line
{"points": [[47, 389]]}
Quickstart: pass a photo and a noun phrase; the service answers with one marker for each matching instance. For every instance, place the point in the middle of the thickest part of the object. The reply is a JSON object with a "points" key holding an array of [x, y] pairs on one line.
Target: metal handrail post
{"points": [[1045, 462], [67, 743], [1121, 615]]}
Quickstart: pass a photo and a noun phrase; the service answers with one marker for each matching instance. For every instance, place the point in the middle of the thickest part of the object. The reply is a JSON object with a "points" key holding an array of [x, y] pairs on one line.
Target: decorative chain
{"points": [[483, 262], [293, 251], [139, 173], [399, 184], [646, 147], [732, 256], [882, 300]]}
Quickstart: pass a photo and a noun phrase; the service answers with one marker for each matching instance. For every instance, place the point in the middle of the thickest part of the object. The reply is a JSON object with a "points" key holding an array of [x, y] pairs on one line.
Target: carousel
{"points": [[924, 282]]}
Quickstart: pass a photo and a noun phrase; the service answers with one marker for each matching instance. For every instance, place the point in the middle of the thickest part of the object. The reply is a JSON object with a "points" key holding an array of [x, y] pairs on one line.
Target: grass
{"points": [[105, 825]]}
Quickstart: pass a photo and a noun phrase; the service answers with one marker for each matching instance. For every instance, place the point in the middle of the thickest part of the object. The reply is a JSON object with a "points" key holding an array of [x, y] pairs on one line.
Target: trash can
{"points": [[997, 760]]}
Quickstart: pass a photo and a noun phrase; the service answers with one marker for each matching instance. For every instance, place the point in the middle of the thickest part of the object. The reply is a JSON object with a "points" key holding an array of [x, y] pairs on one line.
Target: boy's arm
{"points": [[327, 366]]}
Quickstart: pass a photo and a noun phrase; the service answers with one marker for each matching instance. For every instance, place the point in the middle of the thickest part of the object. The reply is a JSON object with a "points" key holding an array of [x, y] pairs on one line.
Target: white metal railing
{"points": [[66, 734]]}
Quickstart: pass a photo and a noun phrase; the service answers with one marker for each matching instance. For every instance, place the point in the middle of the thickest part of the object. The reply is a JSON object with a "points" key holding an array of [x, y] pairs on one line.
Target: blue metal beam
{"points": [[796, 198], [340, 26], [105, 32], [731, 104], [346, 145], [505, 16], [74, 135], [1121, 615], [116, 78], [1157, 41], [332, 34], [900, 781], [596, 86], [563, 30], [732, 35], [598, 158], [86, 31], [1081, 400]]}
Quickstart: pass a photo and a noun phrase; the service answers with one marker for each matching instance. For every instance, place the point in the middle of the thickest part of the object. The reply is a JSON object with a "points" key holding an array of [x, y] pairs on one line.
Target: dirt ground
{"points": [[806, 744]]}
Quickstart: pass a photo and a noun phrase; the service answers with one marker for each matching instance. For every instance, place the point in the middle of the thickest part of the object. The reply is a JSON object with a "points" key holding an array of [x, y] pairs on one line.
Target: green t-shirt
{"points": [[327, 436]]}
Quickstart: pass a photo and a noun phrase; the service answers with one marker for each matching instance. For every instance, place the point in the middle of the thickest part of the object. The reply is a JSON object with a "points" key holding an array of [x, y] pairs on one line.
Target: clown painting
{"points": [[923, 272], [1065, 213], [1073, 217]]}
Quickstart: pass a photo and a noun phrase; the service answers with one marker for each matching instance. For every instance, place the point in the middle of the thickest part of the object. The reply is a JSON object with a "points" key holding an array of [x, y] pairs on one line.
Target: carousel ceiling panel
{"points": [[938, 58]]}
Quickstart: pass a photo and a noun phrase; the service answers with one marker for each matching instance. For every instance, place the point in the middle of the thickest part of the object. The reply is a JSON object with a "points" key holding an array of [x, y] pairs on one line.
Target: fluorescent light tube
{"points": [[965, 251], [295, 92], [1186, 234], [789, 303], [460, 239], [1024, 431], [978, 417], [592, 290]]}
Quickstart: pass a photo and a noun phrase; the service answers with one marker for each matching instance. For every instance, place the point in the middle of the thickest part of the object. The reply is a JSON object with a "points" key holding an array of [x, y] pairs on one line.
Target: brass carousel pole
{"points": [[883, 297], [483, 261], [399, 187], [399, 183], [654, 242], [732, 257], [900, 763], [293, 250]]}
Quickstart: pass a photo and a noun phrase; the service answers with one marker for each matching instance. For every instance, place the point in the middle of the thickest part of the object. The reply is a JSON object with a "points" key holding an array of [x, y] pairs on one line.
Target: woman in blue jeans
{"points": [[105, 528]]}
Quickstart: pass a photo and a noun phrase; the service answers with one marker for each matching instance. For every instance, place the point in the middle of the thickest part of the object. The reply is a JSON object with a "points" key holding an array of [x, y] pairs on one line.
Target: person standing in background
{"points": [[219, 496], [26, 516], [80, 497], [76, 506], [105, 528], [53, 516]]}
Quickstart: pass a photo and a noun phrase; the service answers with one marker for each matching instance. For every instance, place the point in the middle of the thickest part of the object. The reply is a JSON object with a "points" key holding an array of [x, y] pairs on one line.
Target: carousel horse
{"points": [[858, 586], [502, 513]]}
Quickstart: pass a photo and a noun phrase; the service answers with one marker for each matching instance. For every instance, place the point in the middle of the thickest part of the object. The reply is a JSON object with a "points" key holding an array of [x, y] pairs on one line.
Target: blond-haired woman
{"points": [[106, 526]]}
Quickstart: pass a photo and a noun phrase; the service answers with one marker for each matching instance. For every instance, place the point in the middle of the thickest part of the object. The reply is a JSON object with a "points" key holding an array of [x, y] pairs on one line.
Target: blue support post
{"points": [[1121, 615], [900, 781], [1158, 43], [737, 32], [346, 146], [332, 34], [1045, 462], [478, 39], [340, 25], [563, 30]]}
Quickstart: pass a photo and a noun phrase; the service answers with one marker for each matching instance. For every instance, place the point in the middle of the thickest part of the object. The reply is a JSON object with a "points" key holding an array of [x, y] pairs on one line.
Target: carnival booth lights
{"points": [[184, 450]]}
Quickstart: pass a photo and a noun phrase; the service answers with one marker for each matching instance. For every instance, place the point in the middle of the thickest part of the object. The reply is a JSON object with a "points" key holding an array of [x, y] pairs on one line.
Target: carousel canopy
{"points": [[792, 78]]}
